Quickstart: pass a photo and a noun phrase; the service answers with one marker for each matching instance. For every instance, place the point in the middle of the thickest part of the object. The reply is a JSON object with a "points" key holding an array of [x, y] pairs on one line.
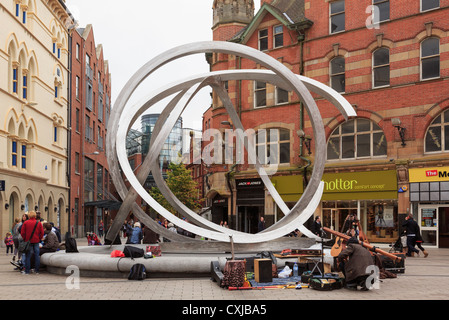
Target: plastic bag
{"points": [[285, 273], [117, 254]]}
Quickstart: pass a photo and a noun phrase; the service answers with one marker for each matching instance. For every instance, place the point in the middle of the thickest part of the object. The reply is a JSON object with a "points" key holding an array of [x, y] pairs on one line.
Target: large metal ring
{"points": [[278, 74]]}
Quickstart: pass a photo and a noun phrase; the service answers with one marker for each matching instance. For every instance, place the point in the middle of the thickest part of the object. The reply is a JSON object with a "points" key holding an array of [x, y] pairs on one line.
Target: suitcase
{"points": [[391, 265], [325, 284]]}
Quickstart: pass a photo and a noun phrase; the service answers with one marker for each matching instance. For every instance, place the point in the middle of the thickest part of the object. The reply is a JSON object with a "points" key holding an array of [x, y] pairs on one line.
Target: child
{"points": [[9, 243]]}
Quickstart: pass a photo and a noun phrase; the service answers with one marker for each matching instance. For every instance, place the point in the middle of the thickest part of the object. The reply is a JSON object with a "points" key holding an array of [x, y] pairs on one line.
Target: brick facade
{"points": [[309, 50], [89, 116]]}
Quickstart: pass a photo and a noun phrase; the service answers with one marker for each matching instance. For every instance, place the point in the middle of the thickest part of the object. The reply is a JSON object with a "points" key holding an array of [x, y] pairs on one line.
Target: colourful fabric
{"points": [[9, 241]]}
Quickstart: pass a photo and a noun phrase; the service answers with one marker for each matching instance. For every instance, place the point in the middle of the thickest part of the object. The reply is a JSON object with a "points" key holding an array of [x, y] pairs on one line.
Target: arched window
{"points": [[430, 58], [381, 67], [273, 146], [437, 136], [15, 79], [14, 153], [25, 85], [355, 139], [337, 74]]}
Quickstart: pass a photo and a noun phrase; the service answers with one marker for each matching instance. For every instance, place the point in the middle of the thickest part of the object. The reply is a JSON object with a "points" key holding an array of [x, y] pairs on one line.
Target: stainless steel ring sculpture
{"points": [[121, 122]]}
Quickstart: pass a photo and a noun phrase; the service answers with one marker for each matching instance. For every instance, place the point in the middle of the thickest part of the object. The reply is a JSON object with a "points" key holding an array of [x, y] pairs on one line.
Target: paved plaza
{"points": [[424, 279]]}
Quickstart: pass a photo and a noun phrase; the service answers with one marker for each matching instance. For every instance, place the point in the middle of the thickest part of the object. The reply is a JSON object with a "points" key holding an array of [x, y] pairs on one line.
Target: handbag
{"points": [[24, 246]]}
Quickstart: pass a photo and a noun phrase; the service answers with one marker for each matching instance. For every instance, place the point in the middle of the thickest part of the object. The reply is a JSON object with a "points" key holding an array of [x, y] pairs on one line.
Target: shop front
{"points": [[370, 196], [250, 204], [219, 209], [429, 197]]}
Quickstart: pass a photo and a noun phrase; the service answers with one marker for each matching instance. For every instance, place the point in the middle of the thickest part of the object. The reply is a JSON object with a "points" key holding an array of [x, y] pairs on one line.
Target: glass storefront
{"points": [[429, 197], [371, 196], [378, 218]]}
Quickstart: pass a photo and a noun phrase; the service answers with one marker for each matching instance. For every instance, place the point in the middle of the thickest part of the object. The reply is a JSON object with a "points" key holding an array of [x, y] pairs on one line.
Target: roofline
{"points": [[267, 8]]}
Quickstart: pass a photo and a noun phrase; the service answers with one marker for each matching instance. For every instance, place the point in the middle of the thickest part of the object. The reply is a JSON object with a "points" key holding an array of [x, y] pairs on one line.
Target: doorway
{"points": [[249, 218], [89, 220], [434, 223], [443, 231], [336, 212]]}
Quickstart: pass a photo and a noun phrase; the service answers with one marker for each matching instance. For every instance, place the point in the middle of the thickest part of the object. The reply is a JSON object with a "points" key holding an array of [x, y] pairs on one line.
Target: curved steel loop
{"points": [[284, 75], [168, 118]]}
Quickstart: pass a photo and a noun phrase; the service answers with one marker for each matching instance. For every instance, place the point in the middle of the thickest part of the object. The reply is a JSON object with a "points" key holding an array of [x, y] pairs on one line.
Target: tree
{"points": [[180, 182]]}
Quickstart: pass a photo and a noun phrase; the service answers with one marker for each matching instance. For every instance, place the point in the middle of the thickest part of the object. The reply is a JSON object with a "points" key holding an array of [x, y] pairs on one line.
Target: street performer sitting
{"points": [[355, 260]]}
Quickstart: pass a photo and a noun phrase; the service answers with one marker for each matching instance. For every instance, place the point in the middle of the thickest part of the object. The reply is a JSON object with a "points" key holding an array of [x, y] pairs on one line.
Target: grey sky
{"points": [[134, 32]]}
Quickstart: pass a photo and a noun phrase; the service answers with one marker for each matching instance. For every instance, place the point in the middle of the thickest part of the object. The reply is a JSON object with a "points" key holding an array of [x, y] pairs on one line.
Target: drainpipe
{"points": [[228, 180], [301, 39], [239, 95], [69, 134]]}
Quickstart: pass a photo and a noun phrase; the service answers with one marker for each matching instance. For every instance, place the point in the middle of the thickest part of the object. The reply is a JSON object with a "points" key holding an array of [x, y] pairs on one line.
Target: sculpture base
{"points": [[177, 259]]}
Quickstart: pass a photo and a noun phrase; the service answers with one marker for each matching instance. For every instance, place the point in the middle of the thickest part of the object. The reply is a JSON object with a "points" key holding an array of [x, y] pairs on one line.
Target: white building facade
{"points": [[34, 73]]}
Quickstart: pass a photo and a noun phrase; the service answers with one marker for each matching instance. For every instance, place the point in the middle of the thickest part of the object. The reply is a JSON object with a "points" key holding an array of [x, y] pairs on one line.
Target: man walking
{"points": [[32, 231], [412, 231]]}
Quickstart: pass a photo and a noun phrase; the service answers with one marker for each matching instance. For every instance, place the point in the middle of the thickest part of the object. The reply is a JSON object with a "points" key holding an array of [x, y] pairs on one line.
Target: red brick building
{"points": [[391, 62], [90, 105]]}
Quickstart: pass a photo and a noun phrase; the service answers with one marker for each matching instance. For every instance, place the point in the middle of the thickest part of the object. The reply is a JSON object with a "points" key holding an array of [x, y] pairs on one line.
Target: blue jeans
{"points": [[411, 245], [34, 249]]}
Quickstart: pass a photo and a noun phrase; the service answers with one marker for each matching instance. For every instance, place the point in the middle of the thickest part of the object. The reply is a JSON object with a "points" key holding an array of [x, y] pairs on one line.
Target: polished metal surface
{"points": [[122, 119]]}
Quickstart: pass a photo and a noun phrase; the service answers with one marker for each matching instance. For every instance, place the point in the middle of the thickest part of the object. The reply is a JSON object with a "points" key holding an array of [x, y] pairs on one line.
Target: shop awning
{"points": [[105, 204]]}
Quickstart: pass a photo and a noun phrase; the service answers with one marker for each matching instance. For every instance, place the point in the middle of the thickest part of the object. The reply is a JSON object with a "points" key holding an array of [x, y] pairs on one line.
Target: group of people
{"points": [[355, 260], [138, 234], [43, 237]]}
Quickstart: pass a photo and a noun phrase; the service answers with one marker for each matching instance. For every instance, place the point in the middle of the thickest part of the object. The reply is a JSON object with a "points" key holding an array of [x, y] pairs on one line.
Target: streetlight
{"points": [[96, 153], [306, 139], [396, 122], [227, 123]]}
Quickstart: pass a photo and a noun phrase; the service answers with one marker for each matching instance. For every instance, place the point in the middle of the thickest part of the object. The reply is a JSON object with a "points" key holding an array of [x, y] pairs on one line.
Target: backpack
{"points": [[133, 252], [137, 272], [70, 245]]}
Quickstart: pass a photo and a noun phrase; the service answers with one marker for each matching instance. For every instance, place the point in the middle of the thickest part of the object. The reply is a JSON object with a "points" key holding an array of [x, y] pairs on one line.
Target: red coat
{"points": [[27, 229]]}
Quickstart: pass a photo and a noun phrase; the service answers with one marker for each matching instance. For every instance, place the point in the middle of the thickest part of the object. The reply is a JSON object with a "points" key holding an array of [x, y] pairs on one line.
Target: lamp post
{"points": [[396, 122]]}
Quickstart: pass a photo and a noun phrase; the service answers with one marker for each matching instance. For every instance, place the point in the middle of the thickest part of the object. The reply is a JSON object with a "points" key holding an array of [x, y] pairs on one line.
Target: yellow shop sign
{"points": [[360, 185], [429, 174]]}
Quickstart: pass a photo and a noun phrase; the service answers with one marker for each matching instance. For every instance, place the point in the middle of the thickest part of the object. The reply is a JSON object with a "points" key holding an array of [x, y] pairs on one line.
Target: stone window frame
{"points": [[263, 38], [278, 142], [426, 10], [421, 58], [376, 3], [334, 75], [441, 123], [374, 67], [332, 15], [276, 34], [338, 134]]}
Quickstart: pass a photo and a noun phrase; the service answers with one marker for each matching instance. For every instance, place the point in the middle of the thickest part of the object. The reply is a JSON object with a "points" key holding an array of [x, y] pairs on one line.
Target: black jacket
{"points": [[316, 228], [411, 227]]}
